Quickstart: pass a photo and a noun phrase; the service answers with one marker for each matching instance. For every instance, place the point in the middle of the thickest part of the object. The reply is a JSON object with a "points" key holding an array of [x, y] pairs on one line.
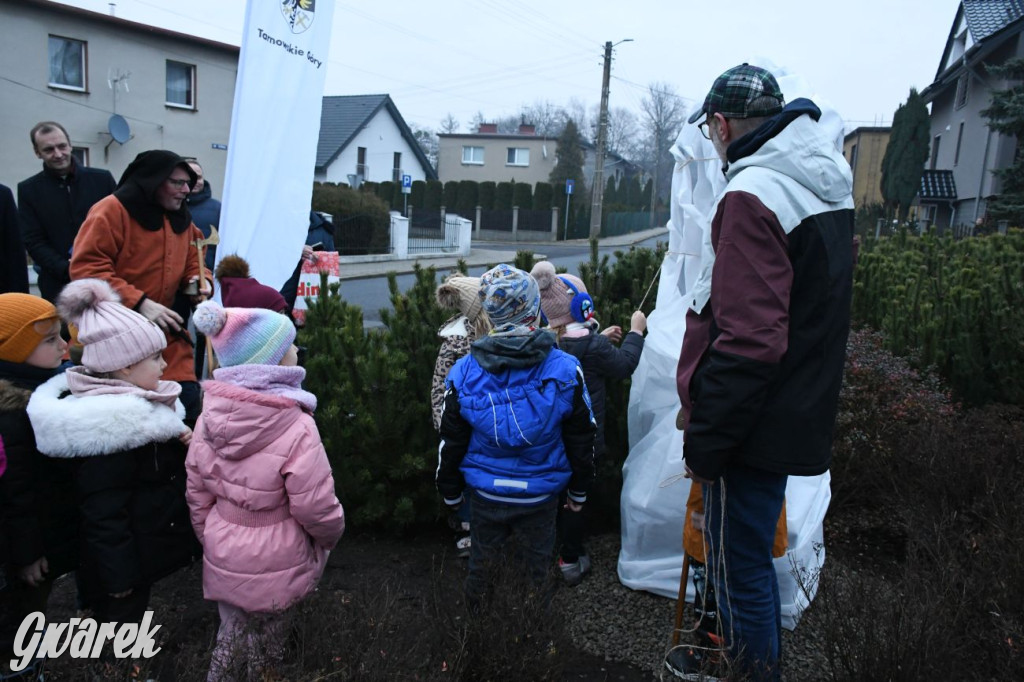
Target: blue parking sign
{"points": [[406, 181], [569, 184]]}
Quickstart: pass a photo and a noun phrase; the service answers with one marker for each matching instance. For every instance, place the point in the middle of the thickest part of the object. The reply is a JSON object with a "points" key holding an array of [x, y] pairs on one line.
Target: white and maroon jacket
{"points": [[762, 358]]}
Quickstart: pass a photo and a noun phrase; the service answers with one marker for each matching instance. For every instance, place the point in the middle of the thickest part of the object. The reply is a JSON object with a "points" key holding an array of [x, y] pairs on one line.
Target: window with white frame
{"points": [[518, 156], [181, 85], [67, 63], [473, 155], [81, 155]]}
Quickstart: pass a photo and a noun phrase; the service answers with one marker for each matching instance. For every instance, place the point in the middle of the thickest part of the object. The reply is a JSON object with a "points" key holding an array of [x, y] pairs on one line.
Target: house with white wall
{"points": [[80, 68], [363, 138]]}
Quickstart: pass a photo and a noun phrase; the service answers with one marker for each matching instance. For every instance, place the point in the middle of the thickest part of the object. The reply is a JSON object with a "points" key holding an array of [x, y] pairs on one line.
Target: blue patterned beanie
{"points": [[511, 299]]}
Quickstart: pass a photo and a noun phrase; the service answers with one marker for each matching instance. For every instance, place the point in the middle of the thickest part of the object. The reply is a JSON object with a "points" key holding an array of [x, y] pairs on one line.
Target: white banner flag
{"points": [[275, 125]]}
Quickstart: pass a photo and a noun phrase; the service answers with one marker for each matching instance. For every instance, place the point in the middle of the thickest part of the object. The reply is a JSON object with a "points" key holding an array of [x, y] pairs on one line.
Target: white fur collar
{"points": [[457, 327], [98, 425]]}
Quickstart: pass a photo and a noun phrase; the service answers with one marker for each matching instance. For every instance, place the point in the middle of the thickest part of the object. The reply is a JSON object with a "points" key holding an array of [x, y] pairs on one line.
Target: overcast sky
{"points": [[436, 57]]}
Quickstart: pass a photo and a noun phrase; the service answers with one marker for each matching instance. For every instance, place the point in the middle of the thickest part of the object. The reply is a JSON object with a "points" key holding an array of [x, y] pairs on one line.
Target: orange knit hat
{"points": [[19, 331]]}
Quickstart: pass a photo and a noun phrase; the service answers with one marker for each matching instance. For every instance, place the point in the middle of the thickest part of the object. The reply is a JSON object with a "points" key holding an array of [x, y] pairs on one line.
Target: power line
{"points": [[74, 102]]}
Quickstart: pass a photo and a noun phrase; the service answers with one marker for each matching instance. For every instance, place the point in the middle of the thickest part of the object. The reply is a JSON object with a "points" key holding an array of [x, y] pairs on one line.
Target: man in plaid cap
{"points": [[762, 357]]}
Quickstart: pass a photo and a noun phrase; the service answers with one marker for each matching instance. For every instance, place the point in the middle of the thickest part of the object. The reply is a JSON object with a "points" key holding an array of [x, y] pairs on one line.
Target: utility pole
{"points": [[597, 192]]}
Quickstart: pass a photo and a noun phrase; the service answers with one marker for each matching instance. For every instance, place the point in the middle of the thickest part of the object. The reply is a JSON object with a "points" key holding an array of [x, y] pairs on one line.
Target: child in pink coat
{"points": [[260, 487]]}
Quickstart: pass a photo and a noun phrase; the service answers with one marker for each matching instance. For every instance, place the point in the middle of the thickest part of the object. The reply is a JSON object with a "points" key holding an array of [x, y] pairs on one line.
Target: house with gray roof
{"points": [[959, 177], [363, 138]]}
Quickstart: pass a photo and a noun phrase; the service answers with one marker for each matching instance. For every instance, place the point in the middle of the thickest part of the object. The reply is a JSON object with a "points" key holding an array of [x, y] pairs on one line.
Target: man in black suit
{"points": [[53, 203]]}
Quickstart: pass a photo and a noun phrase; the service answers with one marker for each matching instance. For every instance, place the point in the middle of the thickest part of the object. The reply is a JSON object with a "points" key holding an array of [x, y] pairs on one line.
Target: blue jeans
{"points": [[740, 565], [493, 525]]}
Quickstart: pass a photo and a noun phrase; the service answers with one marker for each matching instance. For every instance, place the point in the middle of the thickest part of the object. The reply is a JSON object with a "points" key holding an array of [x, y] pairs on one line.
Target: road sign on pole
{"points": [[569, 184], [406, 184]]}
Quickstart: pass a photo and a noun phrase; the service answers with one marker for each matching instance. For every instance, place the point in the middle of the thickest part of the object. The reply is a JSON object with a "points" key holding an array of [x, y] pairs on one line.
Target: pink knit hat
{"points": [[113, 336], [245, 336], [556, 296]]}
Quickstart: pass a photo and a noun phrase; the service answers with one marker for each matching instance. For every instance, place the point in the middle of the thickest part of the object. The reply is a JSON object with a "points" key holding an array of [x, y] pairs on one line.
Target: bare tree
{"points": [[449, 124], [427, 141], [474, 123], [623, 132], [578, 111], [548, 118], [663, 115]]}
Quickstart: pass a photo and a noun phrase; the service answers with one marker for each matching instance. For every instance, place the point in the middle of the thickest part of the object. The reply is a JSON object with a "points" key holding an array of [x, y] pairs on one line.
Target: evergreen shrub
{"points": [[432, 196], [386, 191], [503, 196], [543, 193], [467, 199], [450, 197], [486, 194], [522, 195], [373, 388], [362, 223], [957, 305]]}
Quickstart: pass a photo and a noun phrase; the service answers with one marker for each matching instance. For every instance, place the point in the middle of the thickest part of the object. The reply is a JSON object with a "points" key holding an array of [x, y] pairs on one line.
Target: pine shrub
{"points": [[374, 414], [957, 305]]}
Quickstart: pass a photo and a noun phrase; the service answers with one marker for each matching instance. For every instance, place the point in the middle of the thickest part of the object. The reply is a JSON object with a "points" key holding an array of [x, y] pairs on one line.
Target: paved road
{"points": [[371, 293]]}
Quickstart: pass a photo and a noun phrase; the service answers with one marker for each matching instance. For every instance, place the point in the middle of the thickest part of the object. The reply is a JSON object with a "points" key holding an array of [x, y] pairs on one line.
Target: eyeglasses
{"points": [[705, 128], [177, 184]]}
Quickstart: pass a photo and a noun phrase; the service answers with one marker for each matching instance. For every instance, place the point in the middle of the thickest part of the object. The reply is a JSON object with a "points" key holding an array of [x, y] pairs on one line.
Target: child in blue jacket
{"points": [[516, 430]]}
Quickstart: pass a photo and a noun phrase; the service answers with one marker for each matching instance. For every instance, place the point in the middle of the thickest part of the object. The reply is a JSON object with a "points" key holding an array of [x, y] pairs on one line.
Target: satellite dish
{"points": [[119, 129]]}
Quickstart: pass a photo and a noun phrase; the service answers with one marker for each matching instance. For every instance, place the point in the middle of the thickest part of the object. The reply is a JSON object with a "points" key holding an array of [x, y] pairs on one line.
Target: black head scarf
{"points": [[138, 185]]}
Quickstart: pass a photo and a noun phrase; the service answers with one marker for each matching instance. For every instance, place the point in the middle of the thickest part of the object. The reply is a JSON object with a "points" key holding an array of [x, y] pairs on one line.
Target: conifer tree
{"points": [[570, 161], [905, 155], [1006, 115]]}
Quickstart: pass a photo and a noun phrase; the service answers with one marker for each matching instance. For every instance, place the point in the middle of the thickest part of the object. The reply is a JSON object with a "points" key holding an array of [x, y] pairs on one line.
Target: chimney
{"points": [[113, 8], [487, 128], [527, 129]]}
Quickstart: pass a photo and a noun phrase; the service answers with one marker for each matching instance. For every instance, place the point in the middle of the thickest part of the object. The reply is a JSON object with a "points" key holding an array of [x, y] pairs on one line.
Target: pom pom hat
{"points": [[557, 296], [462, 294], [20, 315], [112, 336], [245, 336]]}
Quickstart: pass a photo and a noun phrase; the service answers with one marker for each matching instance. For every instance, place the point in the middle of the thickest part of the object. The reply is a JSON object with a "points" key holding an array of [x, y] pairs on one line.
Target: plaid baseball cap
{"points": [[743, 91]]}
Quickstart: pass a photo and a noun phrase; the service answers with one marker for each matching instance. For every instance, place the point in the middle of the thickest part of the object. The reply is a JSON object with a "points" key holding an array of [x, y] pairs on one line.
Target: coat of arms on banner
{"points": [[298, 14], [309, 280]]}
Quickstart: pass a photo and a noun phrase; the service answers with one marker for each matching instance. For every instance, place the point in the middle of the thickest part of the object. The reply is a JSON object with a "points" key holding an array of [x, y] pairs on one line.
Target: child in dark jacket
{"points": [[38, 514], [124, 429], [516, 430], [572, 316]]}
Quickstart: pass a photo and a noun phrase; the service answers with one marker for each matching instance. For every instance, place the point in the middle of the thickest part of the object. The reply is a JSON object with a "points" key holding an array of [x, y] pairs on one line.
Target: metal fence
{"points": [[496, 219], [535, 220], [428, 233], [616, 224]]}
